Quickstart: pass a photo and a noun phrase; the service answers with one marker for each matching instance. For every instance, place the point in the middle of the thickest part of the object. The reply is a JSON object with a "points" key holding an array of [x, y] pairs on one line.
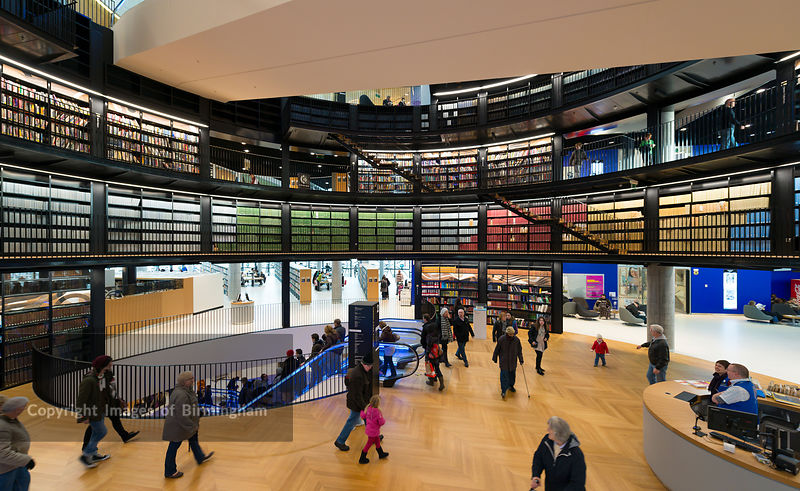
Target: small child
{"points": [[600, 349], [374, 420]]}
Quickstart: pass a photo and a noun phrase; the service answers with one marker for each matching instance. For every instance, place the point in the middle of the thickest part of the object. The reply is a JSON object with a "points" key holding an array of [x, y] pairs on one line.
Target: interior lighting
{"points": [[246, 151], [789, 57], [475, 89], [683, 129], [760, 91], [319, 165]]}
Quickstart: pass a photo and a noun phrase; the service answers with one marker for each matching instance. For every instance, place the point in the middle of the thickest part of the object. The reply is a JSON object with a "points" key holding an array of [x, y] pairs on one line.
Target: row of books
{"points": [[16, 88]]}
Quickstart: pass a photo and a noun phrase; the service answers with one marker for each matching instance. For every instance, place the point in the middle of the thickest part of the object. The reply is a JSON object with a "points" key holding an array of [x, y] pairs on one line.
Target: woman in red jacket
{"points": [[600, 349]]}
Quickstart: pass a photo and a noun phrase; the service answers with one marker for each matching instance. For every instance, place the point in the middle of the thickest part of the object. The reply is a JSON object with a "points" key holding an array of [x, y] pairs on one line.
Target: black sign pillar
{"points": [[362, 337]]}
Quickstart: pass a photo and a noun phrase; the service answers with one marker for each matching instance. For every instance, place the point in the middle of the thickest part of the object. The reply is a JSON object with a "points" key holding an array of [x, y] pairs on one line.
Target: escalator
{"points": [[407, 356]]}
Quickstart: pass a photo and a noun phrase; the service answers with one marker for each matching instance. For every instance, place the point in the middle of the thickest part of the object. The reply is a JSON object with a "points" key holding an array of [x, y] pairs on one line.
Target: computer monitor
{"points": [[736, 423]]}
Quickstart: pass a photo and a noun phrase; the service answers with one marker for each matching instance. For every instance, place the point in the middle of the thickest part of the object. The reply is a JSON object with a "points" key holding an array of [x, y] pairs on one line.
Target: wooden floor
{"points": [[466, 438]]}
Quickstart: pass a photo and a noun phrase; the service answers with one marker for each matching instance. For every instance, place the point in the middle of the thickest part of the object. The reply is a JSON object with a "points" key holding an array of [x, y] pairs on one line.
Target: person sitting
{"points": [[794, 304], [633, 308], [387, 101], [763, 308], [741, 395], [603, 306], [776, 299], [720, 380]]}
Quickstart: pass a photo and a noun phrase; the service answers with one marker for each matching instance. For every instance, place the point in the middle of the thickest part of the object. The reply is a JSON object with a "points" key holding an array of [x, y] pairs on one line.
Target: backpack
{"points": [[433, 355]]}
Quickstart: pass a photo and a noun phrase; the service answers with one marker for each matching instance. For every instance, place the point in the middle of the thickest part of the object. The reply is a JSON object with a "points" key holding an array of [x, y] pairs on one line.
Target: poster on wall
{"points": [[594, 285], [729, 287], [795, 294]]}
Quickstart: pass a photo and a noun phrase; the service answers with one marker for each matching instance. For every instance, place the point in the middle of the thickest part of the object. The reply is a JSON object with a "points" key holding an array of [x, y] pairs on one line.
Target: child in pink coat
{"points": [[374, 420]]}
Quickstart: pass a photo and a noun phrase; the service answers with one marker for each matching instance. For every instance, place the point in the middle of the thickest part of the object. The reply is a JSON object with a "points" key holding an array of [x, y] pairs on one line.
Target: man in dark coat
{"points": [[181, 423], [503, 321], [431, 335], [508, 349], [91, 408], [729, 123], [657, 354], [359, 390], [560, 457], [462, 330]]}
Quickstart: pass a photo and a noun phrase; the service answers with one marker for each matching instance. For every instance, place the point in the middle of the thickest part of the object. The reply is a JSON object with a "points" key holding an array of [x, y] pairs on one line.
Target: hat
{"points": [[367, 360], [289, 352], [14, 404], [509, 330], [101, 362]]}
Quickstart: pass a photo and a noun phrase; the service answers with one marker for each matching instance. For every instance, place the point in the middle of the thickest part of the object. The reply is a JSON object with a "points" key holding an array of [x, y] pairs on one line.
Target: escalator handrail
{"points": [[417, 358]]}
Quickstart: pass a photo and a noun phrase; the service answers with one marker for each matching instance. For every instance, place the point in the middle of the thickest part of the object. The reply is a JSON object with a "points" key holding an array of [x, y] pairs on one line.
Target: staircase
{"points": [[577, 231], [377, 163]]}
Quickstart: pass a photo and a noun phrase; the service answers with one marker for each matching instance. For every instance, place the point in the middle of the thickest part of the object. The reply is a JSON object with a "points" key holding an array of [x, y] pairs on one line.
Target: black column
{"points": [[483, 282], [353, 229], [483, 174], [556, 306], [555, 232], [353, 117], [128, 276], [482, 227], [97, 309], [433, 115], [286, 228], [353, 173], [781, 205], [415, 169], [483, 112], [557, 147], [286, 171], [557, 91], [97, 225], [97, 126], [286, 296], [205, 154], [651, 223], [206, 237], [784, 114], [417, 229], [417, 282], [416, 119]]}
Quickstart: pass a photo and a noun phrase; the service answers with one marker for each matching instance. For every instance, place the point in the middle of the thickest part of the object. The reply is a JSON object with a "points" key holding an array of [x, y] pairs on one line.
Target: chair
{"points": [[582, 308], [628, 318], [570, 308], [751, 312], [782, 309]]}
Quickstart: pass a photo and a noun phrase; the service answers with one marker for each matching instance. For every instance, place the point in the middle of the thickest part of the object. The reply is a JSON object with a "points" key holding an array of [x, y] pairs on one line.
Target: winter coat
{"points": [[533, 333], [657, 352], [508, 349], [374, 421], [447, 332], [600, 347], [567, 472], [430, 334], [718, 383], [359, 387], [578, 157], [387, 336], [14, 445], [90, 403], [499, 328], [331, 340], [340, 333], [317, 347], [183, 415], [462, 329]]}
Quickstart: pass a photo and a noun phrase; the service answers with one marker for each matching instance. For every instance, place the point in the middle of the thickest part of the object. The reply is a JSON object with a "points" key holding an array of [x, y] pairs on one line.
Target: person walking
{"points": [[341, 332], [384, 287], [508, 350], [398, 279], [15, 463], [359, 391], [431, 334], [316, 345], [560, 457], [374, 420], [182, 423], [729, 124], [657, 354], [90, 406], [537, 338], [600, 349], [114, 407], [387, 336], [447, 333], [462, 330], [577, 159], [500, 324]]}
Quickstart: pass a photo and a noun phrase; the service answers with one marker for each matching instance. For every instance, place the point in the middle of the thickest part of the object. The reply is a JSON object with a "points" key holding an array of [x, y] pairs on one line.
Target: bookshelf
{"points": [[244, 226], [454, 285], [300, 283], [458, 112], [320, 229], [43, 214], [71, 303], [340, 182], [450, 171], [520, 163], [385, 229], [370, 283], [450, 229], [136, 137], [523, 289], [372, 180], [619, 221], [40, 111], [507, 231], [718, 220]]}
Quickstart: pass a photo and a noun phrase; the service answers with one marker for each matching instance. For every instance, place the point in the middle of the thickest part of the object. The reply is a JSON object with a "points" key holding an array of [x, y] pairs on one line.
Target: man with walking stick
{"points": [[508, 349]]}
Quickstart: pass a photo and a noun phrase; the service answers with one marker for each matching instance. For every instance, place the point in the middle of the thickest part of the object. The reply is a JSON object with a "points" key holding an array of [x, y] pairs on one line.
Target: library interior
{"points": [[192, 249]]}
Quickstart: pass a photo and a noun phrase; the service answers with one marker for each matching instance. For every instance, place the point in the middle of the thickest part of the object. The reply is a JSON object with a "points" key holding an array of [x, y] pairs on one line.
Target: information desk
{"points": [[683, 461], [242, 312]]}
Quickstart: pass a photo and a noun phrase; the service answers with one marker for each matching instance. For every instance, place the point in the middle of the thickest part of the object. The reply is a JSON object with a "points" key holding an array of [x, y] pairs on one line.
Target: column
{"points": [[336, 282], [235, 280], [97, 308], [128, 276], [661, 299], [665, 137]]}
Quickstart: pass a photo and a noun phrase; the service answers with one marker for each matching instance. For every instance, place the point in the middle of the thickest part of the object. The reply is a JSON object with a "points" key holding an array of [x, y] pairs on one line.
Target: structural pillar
{"points": [[336, 282], [128, 276], [661, 299], [665, 137], [235, 280]]}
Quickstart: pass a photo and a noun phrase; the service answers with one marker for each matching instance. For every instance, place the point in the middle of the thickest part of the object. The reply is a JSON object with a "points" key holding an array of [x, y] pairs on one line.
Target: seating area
{"points": [[626, 317], [583, 310]]}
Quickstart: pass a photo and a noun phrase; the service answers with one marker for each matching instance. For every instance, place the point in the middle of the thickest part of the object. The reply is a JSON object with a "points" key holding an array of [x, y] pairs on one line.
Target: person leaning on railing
{"points": [[15, 463]]}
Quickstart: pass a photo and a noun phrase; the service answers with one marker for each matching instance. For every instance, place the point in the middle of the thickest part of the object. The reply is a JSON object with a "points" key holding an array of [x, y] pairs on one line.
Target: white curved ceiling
{"points": [[249, 49]]}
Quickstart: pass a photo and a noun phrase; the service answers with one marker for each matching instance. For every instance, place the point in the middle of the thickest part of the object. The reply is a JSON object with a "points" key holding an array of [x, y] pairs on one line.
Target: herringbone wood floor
{"points": [[466, 438]]}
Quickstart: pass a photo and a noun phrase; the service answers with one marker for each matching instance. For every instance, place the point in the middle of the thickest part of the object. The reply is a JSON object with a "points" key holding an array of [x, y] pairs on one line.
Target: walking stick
{"points": [[526, 381]]}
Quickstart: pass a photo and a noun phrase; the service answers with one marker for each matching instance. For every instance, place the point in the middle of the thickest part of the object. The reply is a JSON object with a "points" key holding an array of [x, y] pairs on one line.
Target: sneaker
{"points": [[429, 381], [175, 476], [466, 363], [206, 458], [503, 394], [87, 461], [130, 437], [99, 458], [341, 446], [512, 389]]}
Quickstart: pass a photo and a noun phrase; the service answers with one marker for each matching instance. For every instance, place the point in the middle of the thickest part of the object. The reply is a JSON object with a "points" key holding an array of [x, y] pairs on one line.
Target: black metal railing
{"points": [[53, 17], [245, 167]]}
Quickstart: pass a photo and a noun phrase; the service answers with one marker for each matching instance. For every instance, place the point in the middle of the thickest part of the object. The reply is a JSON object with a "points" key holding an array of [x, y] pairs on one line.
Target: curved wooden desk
{"points": [[683, 461]]}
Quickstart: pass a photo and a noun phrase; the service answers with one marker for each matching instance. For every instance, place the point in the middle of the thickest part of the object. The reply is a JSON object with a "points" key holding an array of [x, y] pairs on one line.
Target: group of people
{"points": [[438, 331], [388, 101]]}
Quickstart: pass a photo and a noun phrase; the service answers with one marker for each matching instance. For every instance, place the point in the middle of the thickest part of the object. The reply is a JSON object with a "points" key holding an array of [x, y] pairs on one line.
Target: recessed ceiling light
{"points": [[246, 151], [319, 165], [243, 143]]}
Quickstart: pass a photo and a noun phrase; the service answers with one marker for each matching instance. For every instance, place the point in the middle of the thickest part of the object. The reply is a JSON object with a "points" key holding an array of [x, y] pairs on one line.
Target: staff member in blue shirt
{"points": [[741, 395]]}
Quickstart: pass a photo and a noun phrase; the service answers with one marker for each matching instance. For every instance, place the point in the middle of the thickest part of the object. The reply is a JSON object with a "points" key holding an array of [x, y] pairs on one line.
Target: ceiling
{"points": [[273, 48]]}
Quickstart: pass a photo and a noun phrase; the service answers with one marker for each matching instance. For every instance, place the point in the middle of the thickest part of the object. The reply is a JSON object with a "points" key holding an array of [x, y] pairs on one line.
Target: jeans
{"points": [[388, 364], [507, 379], [98, 432], [351, 422], [461, 352], [539, 359], [598, 357], [115, 422], [728, 138], [654, 378], [169, 461], [18, 479]]}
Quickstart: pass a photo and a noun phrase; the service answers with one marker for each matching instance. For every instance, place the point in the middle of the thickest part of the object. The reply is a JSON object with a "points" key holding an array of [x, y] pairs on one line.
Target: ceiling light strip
{"points": [[789, 57], [497, 84]]}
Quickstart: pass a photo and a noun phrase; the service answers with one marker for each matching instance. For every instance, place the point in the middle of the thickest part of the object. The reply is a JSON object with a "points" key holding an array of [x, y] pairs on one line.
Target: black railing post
{"points": [[556, 304], [651, 221]]}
